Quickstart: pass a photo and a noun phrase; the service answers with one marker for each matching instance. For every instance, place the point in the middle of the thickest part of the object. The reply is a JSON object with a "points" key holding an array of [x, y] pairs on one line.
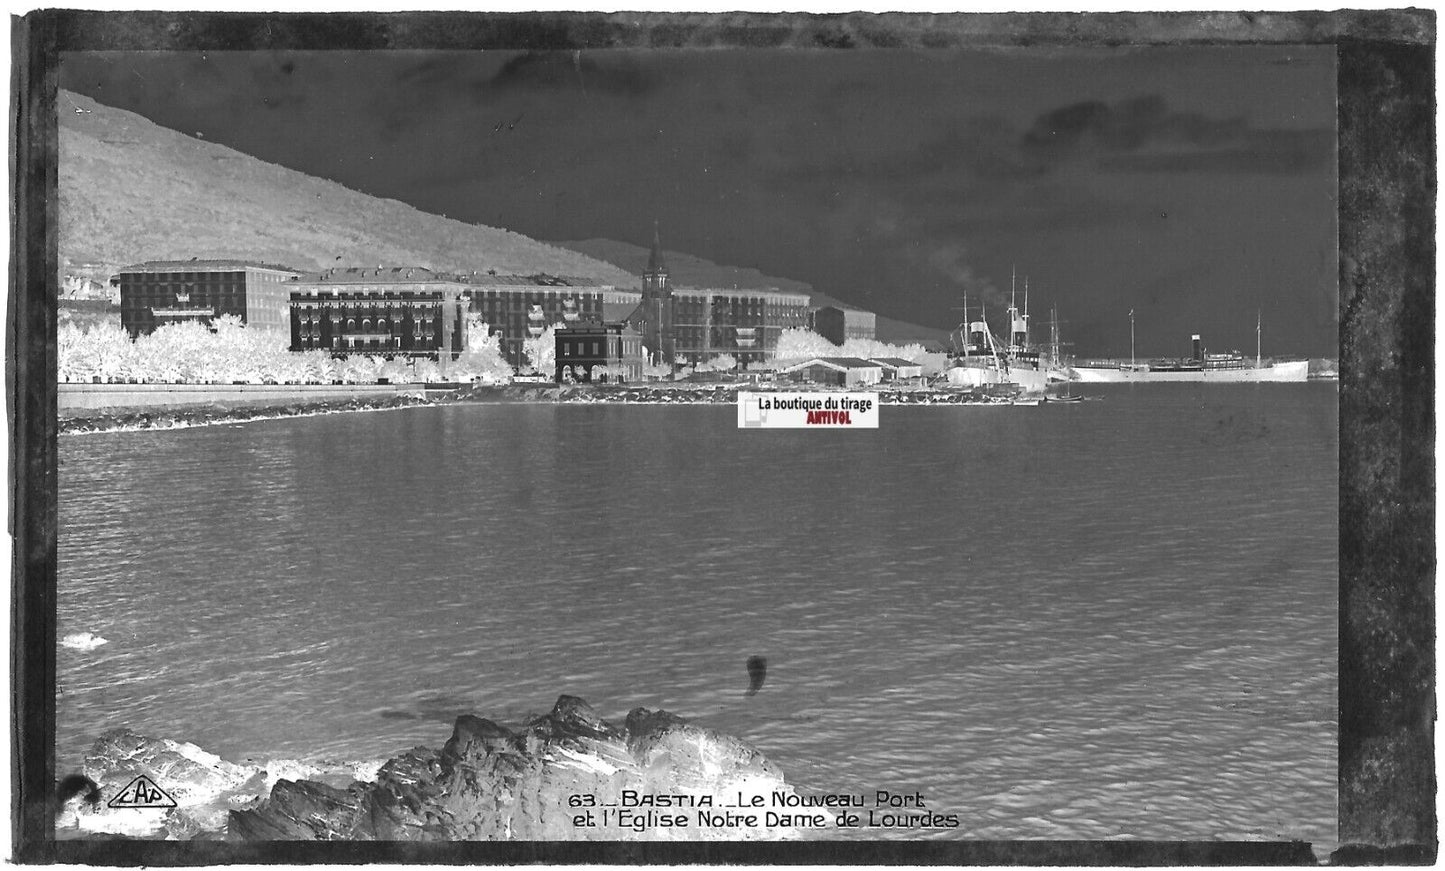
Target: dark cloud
{"points": [[1144, 135], [1127, 125], [1272, 151]]}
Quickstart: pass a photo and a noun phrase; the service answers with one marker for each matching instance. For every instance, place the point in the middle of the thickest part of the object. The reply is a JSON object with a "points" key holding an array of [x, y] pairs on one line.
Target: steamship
{"points": [[1231, 367], [979, 360]]}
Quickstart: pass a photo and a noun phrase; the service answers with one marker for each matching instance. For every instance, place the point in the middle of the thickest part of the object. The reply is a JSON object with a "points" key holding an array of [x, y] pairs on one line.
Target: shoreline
{"points": [[192, 416], [133, 419]]}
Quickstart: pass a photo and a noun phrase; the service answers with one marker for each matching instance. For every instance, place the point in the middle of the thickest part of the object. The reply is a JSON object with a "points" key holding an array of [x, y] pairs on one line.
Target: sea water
{"points": [[1107, 619]]}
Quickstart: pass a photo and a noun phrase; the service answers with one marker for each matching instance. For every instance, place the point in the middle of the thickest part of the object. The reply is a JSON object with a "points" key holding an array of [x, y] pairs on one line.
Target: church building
{"points": [[654, 316]]}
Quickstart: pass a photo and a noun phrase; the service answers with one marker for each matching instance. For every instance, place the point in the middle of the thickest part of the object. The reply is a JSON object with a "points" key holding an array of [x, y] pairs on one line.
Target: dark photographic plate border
{"points": [[1387, 171]]}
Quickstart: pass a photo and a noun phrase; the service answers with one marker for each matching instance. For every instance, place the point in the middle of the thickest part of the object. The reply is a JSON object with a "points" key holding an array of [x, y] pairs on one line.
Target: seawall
{"points": [[84, 400]]}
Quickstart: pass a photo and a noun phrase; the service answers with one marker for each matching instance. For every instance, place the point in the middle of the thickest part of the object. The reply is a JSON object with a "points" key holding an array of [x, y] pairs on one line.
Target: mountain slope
{"points": [[131, 190], [689, 271]]}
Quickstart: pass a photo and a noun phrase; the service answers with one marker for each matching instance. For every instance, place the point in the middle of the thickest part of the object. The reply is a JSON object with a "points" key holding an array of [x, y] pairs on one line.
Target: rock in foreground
{"points": [[568, 775]]}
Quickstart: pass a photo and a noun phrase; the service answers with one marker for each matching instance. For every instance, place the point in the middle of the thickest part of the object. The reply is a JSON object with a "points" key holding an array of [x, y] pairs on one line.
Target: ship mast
{"points": [[1026, 310], [963, 332], [1131, 338], [1054, 335]]}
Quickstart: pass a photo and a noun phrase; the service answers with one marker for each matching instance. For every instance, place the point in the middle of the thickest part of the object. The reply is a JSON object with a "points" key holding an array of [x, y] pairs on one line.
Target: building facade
{"points": [[743, 323], [161, 292], [517, 307], [583, 347], [838, 324], [397, 311]]}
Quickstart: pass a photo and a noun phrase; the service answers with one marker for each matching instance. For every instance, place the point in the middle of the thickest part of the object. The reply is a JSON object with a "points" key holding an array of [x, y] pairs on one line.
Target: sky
{"points": [[1194, 186]]}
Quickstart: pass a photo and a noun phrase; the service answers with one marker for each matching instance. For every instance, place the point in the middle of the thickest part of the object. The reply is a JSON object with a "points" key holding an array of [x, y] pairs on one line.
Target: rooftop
{"points": [[198, 265], [541, 279], [835, 363], [369, 275], [771, 294], [592, 327], [844, 307]]}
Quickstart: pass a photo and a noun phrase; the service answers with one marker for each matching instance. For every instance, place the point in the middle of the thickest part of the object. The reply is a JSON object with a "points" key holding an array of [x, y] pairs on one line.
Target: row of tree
{"points": [[226, 352], [798, 344], [793, 344]]}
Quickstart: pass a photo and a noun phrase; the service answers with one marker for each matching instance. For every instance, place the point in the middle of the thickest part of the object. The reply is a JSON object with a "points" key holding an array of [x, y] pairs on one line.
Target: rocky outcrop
{"points": [[199, 783], [203, 787], [568, 775]]}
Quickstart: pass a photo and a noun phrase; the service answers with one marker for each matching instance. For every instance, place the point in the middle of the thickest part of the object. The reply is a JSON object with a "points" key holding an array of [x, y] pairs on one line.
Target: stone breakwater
{"points": [[567, 775], [727, 394], [159, 418], [124, 419]]}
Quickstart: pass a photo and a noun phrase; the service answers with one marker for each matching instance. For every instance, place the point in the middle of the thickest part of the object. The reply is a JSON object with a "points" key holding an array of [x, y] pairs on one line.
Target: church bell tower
{"points": [[657, 305]]}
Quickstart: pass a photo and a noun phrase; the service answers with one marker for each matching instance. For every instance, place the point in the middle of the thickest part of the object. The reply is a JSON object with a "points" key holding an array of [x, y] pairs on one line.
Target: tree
{"points": [[103, 351], [656, 370], [541, 351], [796, 344], [482, 360], [724, 363]]}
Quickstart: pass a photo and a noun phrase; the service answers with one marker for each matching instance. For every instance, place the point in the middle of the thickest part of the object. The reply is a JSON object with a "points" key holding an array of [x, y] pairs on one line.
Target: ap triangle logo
{"points": [[139, 793]]}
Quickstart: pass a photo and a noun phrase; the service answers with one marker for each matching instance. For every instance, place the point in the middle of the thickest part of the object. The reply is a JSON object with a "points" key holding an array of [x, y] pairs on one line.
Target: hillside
{"points": [[131, 190], [689, 271]]}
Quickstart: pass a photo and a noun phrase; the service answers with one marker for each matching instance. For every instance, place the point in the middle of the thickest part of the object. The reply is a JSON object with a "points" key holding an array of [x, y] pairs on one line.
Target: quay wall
{"points": [[77, 399]]}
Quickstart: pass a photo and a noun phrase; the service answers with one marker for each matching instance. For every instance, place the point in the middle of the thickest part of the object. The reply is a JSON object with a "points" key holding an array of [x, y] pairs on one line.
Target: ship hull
{"points": [[1292, 371], [1028, 380]]}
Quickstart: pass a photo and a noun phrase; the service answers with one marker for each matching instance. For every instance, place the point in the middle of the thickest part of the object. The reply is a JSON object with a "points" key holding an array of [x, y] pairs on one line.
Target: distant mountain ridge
{"points": [[131, 190], [687, 270]]}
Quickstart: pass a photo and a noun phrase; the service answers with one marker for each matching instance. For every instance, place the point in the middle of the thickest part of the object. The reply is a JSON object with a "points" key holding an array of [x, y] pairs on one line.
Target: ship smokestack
{"points": [[1198, 350]]}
